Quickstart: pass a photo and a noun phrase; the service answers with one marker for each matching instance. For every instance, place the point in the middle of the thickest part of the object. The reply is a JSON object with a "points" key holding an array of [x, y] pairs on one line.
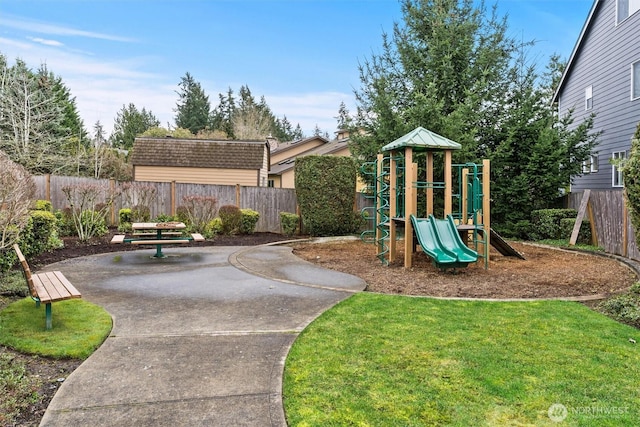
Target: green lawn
{"points": [[79, 327], [380, 360]]}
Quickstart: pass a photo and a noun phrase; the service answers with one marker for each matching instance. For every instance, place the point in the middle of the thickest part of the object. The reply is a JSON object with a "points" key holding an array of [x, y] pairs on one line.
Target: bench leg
{"points": [[48, 315], [159, 253]]}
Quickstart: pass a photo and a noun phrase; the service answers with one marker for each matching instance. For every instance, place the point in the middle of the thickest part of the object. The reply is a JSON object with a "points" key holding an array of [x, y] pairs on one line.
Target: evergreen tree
{"points": [[453, 70], [193, 107], [283, 129], [345, 122], [130, 123], [297, 133], [222, 115], [442, 70]]}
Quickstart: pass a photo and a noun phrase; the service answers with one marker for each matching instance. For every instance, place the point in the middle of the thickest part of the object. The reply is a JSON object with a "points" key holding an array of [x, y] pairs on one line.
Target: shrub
{"points": [[199, 211], [546, 223], [166, 218], [289, 223], [518, 230], [566, 228], [140, 197], [94, 223], [325, 188], [248, 221], [124, 215], [213, 227], [89, 205], [40, 234], [66, 226], [624, 308], [631, 170], [140, 213], [182, 214], [231, 219], [124, 219], [43, 205]]}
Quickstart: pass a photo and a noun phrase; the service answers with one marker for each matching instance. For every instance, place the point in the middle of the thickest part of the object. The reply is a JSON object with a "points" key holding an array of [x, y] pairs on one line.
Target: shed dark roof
{"points": [[198, 153]]}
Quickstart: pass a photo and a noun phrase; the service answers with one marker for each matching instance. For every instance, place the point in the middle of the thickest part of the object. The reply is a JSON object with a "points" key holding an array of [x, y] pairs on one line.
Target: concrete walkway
{"points": [[199, 337]]}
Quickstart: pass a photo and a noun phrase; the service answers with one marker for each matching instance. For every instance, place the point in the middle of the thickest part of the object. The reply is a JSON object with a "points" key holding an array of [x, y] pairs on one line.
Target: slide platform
{"points": [[440, 240]]}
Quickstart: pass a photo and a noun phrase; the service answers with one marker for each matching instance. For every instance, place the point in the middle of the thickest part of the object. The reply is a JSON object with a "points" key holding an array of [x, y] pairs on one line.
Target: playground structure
{"points": [[395, 193]]}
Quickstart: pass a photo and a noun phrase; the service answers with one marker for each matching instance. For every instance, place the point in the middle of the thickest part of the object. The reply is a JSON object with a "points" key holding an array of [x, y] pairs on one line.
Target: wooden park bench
{"points": [[47, 287]]}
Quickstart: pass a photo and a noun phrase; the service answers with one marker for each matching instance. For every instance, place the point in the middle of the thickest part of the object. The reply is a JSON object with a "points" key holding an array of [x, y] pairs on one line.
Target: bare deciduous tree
{"points": [[251, 123], [17, 191], [27, 117]]}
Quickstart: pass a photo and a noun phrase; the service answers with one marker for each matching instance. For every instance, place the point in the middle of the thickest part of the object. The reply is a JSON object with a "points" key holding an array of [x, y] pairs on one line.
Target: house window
{"points": [[626, 8], [271, 183], [616, 172], [635, 80], [590, 165], [588, 98], [594, 163]]}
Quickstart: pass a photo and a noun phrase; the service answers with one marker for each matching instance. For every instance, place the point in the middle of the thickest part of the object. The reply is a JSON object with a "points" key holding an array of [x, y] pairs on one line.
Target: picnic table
{"points": [[158, 234]]}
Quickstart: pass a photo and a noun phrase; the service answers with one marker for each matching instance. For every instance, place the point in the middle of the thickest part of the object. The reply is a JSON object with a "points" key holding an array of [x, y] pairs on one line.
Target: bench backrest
{"points": [[26, 270]]}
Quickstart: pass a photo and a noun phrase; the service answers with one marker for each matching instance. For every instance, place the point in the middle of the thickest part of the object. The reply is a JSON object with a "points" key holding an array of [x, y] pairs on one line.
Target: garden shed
{"points": [[201, 161]]}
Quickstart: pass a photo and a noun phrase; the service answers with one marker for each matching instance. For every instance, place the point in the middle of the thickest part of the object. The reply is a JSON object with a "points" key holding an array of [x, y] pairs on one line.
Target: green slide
{"points": [[440, 240]]}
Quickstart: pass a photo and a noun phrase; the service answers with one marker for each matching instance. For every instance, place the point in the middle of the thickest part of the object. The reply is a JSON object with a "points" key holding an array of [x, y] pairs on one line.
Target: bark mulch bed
{"points": [[546, 273]]}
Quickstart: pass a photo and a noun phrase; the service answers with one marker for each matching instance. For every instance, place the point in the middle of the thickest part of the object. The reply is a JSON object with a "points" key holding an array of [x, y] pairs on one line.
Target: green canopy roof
{"points": [[422, 139]]}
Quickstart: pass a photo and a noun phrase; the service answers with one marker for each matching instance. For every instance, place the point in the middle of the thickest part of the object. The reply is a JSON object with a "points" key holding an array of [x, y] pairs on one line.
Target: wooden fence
{"points": [[612, 225], [269, 202]]}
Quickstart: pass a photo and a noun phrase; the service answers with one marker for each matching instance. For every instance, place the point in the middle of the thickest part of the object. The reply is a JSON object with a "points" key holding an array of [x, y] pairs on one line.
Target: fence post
{"points": [[112, 189], [625, 226], [173, 198], [238, 195], [47, 187]]}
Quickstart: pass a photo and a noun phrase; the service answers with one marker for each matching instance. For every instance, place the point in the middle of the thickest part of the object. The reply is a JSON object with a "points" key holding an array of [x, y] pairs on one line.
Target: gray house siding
{"points": [[603, 60]]}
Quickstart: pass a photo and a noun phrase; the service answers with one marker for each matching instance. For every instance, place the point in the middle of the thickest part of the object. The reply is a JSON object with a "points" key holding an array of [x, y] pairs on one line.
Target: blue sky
{"points": [[302, 55]]}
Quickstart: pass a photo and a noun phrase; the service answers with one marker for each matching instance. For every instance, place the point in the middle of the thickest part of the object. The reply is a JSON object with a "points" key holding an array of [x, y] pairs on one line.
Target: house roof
{"points": [[576, 49], [291, 144], [326, 149], [198, 153], [423, 139]]}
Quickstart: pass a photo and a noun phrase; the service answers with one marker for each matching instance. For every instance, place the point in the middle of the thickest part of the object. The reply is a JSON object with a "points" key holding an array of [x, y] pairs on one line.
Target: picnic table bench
{"points": [[157, 234], [47, 287]]}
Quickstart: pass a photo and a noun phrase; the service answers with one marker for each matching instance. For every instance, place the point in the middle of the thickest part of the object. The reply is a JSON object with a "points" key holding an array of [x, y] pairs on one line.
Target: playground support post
{"points": [[409, 204], [486, 207], [448, 193], [430, 209], [393, 205], [464, 211]]}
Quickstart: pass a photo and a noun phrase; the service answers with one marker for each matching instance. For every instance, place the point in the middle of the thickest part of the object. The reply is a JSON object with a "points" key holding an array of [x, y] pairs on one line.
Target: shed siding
{"points": [[604, 61], [196, 175], [264, 170]]}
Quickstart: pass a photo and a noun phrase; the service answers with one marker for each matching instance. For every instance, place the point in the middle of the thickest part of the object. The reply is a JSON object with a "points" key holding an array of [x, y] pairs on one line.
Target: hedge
{"points": [[325, 188]]}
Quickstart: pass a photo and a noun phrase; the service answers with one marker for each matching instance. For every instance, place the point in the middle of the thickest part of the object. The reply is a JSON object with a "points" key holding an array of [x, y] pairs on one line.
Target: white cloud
{"points": [[311, 109], [102, 84], [46, 42], [19, 23]]}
